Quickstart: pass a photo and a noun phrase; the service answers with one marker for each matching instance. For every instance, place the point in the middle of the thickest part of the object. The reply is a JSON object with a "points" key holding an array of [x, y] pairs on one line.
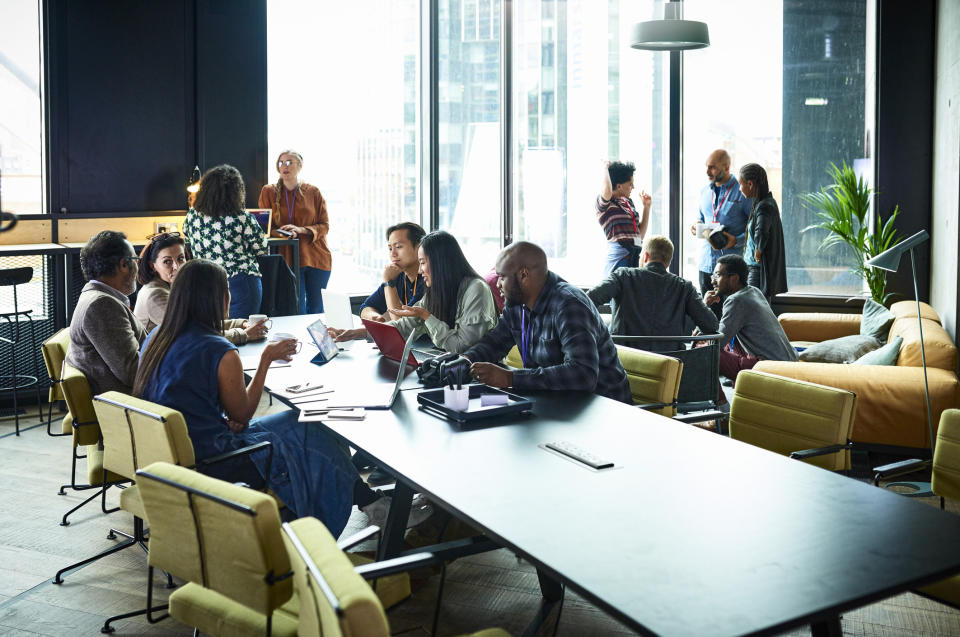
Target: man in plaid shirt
{"points": [[564, 343]]}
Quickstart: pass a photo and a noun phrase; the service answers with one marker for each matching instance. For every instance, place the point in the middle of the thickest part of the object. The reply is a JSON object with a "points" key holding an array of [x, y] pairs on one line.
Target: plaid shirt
{"points": [[569, 347]]}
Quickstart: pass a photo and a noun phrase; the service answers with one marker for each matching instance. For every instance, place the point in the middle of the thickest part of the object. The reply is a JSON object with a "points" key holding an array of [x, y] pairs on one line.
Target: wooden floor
{"points": [[493, 589]]}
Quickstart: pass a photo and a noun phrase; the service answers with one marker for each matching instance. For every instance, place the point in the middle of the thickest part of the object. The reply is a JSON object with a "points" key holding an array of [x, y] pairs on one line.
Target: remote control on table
{"points": [[580, 454]]}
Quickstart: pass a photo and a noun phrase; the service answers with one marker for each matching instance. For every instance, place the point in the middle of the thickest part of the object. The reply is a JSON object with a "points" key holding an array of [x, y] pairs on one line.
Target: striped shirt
{"points": [[618, 218]]}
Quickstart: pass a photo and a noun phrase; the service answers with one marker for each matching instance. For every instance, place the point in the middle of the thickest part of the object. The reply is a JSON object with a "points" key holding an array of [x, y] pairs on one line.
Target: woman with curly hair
{"points": [[220, 229]]}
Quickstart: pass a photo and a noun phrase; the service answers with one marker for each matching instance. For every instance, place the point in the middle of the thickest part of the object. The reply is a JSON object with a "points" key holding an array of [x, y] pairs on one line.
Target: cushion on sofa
{"points": [[845, 349], [905, 309], [876, 320], [818, 326], [886, 355], [940, 350]]}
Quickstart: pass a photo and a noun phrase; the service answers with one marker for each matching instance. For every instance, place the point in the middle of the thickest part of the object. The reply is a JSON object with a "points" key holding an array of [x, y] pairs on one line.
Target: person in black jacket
{"points": [[764, 254]]}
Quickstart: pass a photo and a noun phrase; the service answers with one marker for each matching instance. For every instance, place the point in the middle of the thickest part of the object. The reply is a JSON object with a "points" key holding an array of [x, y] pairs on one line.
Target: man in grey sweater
{"points": [[649, 301], [747, 320], [105, 336]]}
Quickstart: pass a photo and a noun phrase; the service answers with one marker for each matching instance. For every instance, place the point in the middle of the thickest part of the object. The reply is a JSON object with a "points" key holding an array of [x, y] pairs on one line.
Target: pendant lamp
{"points": [[673, 33]]}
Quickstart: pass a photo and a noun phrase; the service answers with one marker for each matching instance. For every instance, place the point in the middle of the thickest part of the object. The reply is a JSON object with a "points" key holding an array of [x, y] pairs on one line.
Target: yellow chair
{"points": [[513, 358], [334, 597], [54, 351], [804, 420], [137, 433], [944, 483], [86, 433], [654, 379]]}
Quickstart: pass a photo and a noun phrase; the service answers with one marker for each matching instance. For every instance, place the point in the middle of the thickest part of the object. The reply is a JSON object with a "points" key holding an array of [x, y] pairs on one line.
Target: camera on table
{"points": [[445, 369]]}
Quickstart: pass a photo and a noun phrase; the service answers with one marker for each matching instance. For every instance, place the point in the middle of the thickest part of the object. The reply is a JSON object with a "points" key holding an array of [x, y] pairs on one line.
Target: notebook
{"points": [[336, 310]]}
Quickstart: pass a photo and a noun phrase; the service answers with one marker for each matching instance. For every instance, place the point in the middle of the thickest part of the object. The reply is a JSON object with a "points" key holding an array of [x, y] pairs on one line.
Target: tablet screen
{"points": [[320, 335]]}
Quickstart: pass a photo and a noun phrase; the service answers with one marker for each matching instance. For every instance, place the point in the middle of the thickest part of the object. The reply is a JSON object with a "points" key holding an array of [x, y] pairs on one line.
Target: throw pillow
{"points": [[876, 320], [886, 355], [845, 349]]}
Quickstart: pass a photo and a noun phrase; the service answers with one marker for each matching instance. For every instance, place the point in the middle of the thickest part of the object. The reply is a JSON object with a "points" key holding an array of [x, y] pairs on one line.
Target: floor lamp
{"points": [[890, 260]]}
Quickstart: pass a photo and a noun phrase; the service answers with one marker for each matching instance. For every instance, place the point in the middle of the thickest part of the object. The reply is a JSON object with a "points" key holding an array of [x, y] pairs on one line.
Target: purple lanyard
{"points": [[524, 336], [290, 201]]}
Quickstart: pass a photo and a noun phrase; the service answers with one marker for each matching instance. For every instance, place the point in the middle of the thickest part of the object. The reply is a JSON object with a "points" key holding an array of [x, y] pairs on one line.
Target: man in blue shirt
{"points": [[722, 202], [564, 343], [402, 283]]}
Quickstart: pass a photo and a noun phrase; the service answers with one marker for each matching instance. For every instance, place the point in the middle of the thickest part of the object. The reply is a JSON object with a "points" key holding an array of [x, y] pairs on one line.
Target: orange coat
{"points": [[310, 212]]}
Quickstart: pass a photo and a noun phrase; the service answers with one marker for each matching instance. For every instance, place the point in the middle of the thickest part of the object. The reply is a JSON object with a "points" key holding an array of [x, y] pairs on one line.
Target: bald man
{"points": [[564, 343], [722, 202]]}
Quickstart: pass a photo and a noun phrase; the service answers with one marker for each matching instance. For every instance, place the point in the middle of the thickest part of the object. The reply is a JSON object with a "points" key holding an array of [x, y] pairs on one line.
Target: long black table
{"points": [[690, 534]]}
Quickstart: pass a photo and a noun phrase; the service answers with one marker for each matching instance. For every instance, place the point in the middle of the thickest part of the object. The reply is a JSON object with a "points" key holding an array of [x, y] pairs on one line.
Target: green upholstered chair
{"points": [[654, 379], [224, 540], [804, 420], [54, 351], [85, 429], [334, 597]]}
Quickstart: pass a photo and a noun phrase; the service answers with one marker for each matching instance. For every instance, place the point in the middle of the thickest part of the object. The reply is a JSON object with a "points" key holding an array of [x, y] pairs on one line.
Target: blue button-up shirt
{"points": [[733, 213], [409, 292]]}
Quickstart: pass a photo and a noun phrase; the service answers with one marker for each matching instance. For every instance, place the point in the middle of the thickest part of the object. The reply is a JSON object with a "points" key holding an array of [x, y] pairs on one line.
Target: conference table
{"points": [[690, 533]]}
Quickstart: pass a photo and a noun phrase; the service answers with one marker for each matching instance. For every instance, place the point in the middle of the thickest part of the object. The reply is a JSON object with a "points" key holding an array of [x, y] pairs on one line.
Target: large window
{"points": [[344, 90], [21, 111], [581, 96], [468, 165], [781, 85]]}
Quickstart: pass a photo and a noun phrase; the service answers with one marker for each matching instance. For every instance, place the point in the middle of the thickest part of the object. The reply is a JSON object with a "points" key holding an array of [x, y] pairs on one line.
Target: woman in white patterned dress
{"points": [[220, 229]]}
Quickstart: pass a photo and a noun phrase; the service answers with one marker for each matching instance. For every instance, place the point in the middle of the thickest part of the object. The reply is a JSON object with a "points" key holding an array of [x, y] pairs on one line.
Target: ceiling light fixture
{"points": [[673, 33]]}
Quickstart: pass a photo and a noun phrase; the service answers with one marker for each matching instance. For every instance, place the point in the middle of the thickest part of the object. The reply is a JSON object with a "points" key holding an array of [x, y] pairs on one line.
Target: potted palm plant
{"points": [[843, 209]]}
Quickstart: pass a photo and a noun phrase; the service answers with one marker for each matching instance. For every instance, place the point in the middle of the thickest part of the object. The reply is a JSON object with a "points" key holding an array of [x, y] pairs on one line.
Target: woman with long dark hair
{"points": [[458, 307], [300, 210], [187, 365], [764, 253], [160, 261], [221, 230]]}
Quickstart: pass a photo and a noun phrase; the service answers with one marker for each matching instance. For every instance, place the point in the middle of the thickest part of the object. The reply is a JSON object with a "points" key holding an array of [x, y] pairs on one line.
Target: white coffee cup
{"points": [[256, 318], [285, 336]]}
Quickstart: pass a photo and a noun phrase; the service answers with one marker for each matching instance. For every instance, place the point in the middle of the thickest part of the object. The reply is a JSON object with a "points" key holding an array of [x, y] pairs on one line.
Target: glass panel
{"points": [[582, 96], [797, 83], [352, 108], [21, 109], [469, 125]]}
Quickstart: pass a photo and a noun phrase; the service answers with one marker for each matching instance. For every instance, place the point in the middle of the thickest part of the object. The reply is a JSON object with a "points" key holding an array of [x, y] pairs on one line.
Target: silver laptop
{"points": [[336, 310], [372, 396]]}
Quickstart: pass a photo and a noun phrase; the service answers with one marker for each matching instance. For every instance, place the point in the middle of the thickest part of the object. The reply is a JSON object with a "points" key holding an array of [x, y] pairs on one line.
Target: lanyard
{"points": [[406, 289], [633, 214], [717, 207], [524, 335], [290, 201]]}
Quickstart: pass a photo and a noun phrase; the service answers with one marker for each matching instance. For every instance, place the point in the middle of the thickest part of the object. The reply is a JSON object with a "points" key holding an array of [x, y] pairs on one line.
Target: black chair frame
{"points": [[13, 277]]}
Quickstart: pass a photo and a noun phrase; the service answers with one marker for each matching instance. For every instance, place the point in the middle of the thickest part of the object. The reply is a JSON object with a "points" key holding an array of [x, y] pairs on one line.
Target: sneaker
{"points": [[377, 511]]}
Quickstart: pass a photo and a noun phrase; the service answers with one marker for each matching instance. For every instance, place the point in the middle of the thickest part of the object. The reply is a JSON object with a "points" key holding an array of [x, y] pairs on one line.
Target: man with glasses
{"points": [[105, 336], [751, 331]]}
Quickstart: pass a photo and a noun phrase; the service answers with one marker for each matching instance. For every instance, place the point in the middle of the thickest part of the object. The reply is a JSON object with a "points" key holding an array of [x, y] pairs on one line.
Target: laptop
{"points": [[390, 341], [368, 396], [264, 218], [336, 310]]}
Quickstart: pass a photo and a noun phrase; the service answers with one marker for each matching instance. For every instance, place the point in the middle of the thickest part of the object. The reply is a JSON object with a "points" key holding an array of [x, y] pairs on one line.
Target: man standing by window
{"points": [[721, 202]]}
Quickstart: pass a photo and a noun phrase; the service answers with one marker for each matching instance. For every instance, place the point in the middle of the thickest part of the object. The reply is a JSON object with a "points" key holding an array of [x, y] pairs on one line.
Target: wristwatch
{"points": [[386, 284]]}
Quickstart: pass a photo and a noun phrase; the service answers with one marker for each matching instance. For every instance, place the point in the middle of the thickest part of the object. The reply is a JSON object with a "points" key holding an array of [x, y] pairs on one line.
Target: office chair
{"points": [[12, 277], [791, 417], [54, 352], [654, 379]]}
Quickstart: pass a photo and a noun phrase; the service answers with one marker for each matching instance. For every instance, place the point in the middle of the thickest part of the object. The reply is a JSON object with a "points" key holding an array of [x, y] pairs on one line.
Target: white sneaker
{"points": [[377, 511]]}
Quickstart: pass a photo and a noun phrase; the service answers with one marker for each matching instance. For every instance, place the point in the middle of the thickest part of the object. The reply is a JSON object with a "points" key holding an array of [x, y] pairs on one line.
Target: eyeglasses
{"points": [[284, 162], [157, 236]]}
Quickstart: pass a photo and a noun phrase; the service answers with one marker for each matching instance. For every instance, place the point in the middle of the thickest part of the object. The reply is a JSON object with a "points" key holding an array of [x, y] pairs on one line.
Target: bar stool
{"points": [[12, 337]]}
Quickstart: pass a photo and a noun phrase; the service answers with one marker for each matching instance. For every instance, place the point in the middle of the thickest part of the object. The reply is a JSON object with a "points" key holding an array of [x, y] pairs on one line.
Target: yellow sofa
{"points": [[890, 400]]}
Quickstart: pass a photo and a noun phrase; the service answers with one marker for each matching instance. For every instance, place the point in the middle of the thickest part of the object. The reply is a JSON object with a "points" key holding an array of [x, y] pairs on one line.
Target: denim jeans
{"points": [[310, 471], [312, 283], [246, 292]]}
